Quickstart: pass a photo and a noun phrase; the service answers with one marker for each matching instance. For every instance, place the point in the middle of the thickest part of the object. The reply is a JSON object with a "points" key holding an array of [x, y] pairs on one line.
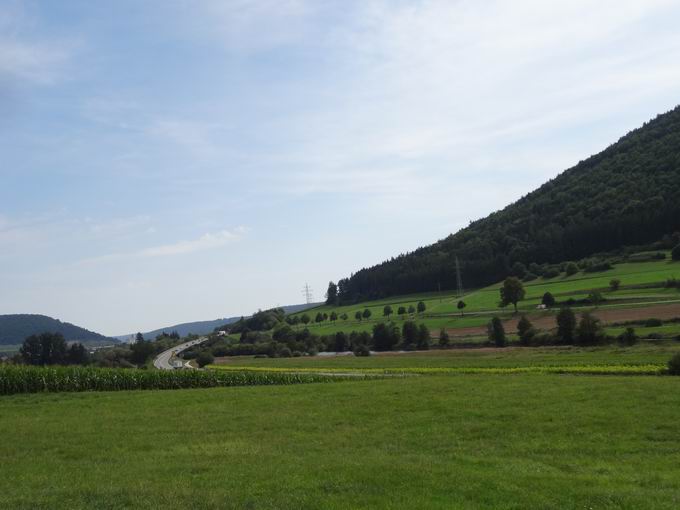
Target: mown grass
{"points": [[523, 441]]}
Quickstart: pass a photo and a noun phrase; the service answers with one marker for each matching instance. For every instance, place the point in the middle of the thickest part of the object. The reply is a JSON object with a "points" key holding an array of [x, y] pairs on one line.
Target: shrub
{"points": [[598, 266], [674, 365], [551, 272], [615, 284], [362, 350], [628, 337], [528, 277], [595, 297], [653, 323], [525, 330], [548, 300], [204, 358], [589, 330], [496, 332], [675, 253], [443, 338], [571, 268]]}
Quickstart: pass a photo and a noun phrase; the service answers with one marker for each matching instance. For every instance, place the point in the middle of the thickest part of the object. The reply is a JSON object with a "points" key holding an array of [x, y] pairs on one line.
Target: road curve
{"points": [[162, 361]]}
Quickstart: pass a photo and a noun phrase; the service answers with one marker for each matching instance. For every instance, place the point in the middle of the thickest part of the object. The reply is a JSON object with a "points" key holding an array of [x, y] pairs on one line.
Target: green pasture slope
{"points": [[492, 441], [482, 303]]}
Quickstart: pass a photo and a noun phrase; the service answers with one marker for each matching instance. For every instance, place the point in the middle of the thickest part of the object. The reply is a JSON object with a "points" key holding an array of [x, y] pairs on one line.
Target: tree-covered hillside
{"points": [[626, 195], [15, 328]]}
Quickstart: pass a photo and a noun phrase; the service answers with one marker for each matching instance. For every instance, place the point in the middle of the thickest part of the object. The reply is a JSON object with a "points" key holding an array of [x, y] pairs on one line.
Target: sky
{"points": [[168, 161]]}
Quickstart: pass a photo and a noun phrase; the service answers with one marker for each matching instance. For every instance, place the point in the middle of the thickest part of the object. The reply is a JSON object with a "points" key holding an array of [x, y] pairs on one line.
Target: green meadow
{"points": [[441, 309], [491, 441]]}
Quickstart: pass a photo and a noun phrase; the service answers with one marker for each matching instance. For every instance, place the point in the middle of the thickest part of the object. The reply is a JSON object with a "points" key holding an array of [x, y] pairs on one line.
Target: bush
{"points": [[615, 284], [628, 337], [571, 269], [204, 358], [598, 266], [529, 277], [674, 365], [653, 323], [496, 332], [595, 297], [551, 272], [675, 253], [362, 350]]}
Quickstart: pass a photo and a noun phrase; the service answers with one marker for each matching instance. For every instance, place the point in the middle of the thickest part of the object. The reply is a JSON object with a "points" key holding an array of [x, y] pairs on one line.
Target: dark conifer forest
{"points": [[626, 195]]}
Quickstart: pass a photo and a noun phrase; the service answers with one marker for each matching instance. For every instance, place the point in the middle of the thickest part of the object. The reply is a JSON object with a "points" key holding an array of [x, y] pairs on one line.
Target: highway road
{"points": [[162, 361]]}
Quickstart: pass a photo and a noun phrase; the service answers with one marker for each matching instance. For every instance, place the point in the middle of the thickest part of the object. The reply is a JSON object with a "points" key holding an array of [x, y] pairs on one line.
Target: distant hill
{"points": [[205, 327], [625, 195], [15, 328]]}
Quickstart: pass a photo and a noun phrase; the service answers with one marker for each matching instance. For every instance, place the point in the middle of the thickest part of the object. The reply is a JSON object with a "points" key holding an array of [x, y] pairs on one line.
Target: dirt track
{"points": [[606, 315]]}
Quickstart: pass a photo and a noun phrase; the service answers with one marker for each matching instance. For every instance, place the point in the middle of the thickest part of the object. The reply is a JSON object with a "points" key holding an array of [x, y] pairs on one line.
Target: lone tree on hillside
{"points": [[496, 332], [305, 319], [409, 333], [421, 307], [512, 291], [525, 330], [367, 314], [357, 315], [461, 306], [332, 294], [566, 324], [615, 284], [401, 311], [443, 338], [589, 330], [319, 317], [411, 309], [334, 317], [675, 253], [387, 311], [344, 317], [548, 300]]}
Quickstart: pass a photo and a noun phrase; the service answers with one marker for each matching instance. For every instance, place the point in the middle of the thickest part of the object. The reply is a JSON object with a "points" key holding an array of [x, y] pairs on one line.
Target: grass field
{"points": [[642, 354], [526, 441], [482, 303]]}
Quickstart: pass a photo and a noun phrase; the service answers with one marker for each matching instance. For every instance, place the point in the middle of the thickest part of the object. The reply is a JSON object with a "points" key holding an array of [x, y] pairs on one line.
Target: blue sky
{"points": [[168, 161]]}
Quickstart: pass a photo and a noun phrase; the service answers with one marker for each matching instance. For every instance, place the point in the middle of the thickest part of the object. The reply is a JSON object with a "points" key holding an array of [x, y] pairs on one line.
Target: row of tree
{"points": [[570, 331]]}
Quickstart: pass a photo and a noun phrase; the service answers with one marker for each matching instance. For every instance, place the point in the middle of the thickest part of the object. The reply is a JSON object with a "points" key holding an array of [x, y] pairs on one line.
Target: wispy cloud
{"points": [[208, 241], [26, 57]]}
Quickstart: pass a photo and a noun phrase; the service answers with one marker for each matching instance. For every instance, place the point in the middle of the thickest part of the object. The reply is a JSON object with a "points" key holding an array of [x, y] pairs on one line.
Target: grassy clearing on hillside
{"points": [[482, 303], [524, 441], [641, 354]]}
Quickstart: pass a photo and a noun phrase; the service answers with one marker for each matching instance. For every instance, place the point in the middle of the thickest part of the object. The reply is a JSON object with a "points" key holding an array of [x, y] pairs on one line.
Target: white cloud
{"points": [[208, 241], [205, 242], [27, 58]]}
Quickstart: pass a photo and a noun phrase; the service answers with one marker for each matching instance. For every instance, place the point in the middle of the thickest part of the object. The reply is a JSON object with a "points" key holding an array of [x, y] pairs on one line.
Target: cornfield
{"points": [[28, 379]]}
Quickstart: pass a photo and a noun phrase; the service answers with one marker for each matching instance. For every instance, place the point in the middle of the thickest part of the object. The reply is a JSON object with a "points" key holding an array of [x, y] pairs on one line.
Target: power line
{"points": [[307, 293], [459, 280]]}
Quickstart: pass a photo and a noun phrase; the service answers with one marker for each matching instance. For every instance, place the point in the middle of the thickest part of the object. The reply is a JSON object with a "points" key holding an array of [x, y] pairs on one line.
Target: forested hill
{"points": [[625, 195], [15, 328]]}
